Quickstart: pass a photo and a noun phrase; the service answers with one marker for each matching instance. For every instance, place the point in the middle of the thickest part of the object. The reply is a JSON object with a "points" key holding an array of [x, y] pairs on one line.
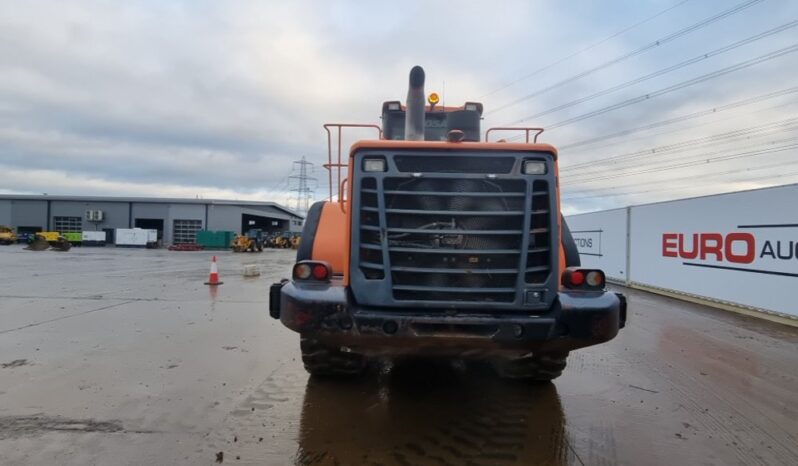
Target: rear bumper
{"points": [[576, 319]]}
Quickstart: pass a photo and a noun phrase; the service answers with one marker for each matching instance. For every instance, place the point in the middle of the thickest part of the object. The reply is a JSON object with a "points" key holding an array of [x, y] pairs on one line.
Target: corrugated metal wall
{"points": [[120, 214]]}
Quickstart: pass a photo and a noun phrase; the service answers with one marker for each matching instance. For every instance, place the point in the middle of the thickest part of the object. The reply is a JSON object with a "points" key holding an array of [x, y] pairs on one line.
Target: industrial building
{"points": [[177, 220]]}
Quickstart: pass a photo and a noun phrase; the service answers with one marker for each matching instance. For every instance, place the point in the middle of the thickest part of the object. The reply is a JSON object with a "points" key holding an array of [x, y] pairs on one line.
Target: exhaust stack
{"points": [[415, 111]]}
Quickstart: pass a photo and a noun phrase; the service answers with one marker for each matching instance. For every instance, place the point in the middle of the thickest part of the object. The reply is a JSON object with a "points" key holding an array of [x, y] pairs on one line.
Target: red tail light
{"points": [[576, 278], [583, 279], [320, 272]]}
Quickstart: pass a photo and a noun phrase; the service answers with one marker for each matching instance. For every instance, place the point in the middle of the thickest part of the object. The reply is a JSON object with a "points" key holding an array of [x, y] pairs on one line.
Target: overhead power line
{"points": [[662, 165], [658, 163], [694, 128], [671, 189], [681, 118], [725, 137], [675, 87], [663, 71], [583, 50], [663, 40], [599, 192], [703, 161]]}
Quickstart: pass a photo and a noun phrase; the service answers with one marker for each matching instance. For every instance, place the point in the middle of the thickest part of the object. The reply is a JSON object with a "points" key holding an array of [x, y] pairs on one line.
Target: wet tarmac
{"points": [[119, 356]]}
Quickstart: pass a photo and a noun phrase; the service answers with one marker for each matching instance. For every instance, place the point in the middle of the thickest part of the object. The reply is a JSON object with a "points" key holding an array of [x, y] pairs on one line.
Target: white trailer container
{"points": [[736, 250], [135, 237], [601, 239], [152, 238], [93, 238]]}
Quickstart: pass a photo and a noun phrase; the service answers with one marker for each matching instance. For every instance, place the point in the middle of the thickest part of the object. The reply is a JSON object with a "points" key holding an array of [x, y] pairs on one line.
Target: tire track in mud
{"points": [[726, 426], [261, 428], [40, 424], [708, 409], [67, 316], [415, 417], [496, 434], [701, 386], [437, 416]]}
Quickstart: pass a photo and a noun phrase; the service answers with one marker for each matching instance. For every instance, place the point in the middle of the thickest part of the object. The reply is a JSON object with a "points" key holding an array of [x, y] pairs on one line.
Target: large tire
{"points": [[323, 360], [537, 367]]}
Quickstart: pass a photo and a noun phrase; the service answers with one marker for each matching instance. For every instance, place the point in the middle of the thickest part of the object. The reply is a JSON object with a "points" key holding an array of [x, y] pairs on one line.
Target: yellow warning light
{"points": [[433, 99]]}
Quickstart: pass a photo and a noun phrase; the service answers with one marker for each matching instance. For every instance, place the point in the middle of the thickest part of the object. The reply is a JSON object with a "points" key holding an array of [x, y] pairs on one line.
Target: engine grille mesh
{"points": [[454, 239]]}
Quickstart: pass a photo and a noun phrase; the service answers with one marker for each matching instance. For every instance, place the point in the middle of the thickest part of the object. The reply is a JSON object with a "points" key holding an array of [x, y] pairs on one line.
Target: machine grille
{"points": [[443, 239]]}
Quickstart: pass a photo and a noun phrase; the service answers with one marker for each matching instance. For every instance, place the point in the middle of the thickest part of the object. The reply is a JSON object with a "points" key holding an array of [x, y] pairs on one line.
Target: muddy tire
{"points": [[539, 367], [323, 360]]}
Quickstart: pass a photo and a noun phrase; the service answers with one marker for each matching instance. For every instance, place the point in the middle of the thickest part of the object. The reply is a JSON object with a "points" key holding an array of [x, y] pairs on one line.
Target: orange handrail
{"points": [[339, 164], [526, 131]]}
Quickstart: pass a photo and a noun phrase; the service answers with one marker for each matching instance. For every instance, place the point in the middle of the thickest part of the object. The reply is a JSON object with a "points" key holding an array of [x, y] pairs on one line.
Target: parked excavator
{"points": [[441, 244]]}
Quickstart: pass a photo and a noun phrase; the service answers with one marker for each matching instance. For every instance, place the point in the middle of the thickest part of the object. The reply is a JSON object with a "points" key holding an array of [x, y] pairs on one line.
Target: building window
{"points": [[185, 231], [68, 224]]}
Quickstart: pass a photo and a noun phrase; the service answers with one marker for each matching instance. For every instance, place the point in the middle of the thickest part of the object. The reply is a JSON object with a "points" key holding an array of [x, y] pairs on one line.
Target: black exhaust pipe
{"points": [[415, 111]]}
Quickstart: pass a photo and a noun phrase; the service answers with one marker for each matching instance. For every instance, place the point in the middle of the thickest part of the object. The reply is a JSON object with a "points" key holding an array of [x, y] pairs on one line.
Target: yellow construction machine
{"points": [[252, 241], [284, 240], [7, 235], [48, 239]]}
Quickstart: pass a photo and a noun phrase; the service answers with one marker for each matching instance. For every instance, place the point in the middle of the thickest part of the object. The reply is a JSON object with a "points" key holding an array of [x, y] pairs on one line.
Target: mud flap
{"points": [[305, 250], [622, 313], [572, 258], [274, 298]]}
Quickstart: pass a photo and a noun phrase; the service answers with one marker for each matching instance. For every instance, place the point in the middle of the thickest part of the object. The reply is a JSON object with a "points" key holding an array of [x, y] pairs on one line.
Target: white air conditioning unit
{"points": [[94, 215]]}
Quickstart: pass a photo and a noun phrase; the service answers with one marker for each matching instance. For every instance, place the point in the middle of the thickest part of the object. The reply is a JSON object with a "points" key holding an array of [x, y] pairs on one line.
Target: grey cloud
{"points": [[193, 96]]}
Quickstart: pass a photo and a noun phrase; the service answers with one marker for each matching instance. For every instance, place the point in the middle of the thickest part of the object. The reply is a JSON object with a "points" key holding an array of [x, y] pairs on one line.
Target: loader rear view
{"points": [[442, 245]]}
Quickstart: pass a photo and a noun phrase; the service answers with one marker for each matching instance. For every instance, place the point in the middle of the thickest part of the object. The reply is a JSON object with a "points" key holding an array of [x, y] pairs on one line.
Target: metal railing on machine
{"points": [[338, 165]]}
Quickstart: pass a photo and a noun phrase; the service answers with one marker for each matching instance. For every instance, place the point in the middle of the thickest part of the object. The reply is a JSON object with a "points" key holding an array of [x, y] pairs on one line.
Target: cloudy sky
{"points": [[647, 100]]}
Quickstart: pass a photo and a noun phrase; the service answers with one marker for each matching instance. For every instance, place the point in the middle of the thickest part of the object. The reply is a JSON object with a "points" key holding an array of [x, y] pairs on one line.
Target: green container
{"points": [[215, 239], [74, 237]]}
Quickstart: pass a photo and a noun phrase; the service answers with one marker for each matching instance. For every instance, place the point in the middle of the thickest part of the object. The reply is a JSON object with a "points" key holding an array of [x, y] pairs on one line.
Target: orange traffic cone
{"points": [[213, 278]]}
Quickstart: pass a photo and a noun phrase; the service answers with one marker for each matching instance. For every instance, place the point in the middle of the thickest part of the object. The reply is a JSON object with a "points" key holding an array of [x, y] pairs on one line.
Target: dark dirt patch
{"points": [[15, 363], [21, 426]]}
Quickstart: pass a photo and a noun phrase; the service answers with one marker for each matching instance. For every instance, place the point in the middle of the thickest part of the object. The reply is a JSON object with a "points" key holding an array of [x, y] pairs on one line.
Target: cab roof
{"points": [[386, 144]]}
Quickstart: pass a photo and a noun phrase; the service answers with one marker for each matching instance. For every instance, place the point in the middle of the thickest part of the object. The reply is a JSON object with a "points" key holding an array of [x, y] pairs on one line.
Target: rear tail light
{"points": [[312, 270], [583, 279], [595, 278], [576, 278], [302, 271], [320, 272]]}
